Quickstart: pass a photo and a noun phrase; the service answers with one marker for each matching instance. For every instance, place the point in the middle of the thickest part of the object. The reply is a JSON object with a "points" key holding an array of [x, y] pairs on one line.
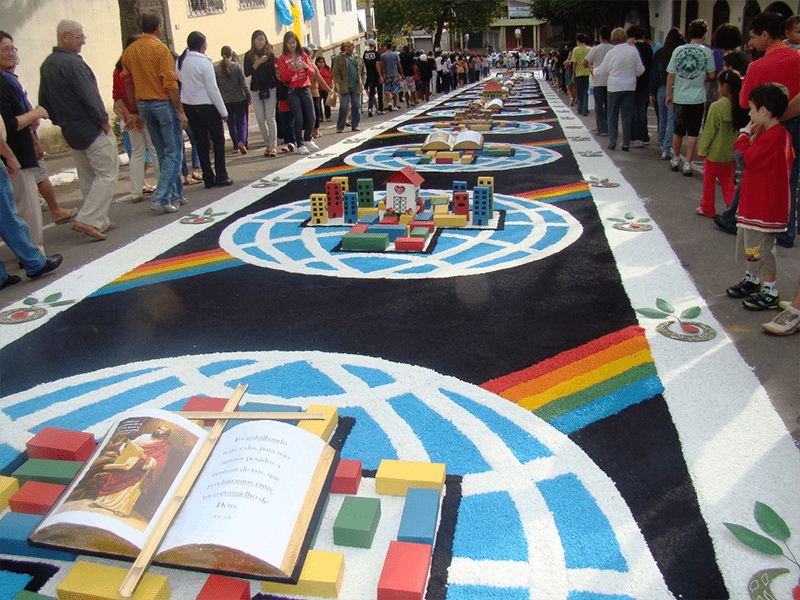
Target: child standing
{"points": [[716, 144], [763, 195]]}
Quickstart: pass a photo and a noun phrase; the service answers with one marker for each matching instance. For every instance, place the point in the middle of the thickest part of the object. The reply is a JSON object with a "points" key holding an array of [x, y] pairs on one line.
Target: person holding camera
{"points": [[259, 65]]}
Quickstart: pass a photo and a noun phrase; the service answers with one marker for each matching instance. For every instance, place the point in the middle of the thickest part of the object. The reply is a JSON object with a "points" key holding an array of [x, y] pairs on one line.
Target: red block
{"points": [[390, 221], [201, 403], [218, 587], [446, 160], [408, 244], [347, 478], [429, 224], [61, 444], [405, 571], [333, 189], [35, 497], [359, 228], [461, 203]]}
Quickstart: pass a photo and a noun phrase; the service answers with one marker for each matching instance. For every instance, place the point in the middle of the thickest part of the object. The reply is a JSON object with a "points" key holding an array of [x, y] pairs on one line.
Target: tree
{"points": [[589, 15], [464, 16]]}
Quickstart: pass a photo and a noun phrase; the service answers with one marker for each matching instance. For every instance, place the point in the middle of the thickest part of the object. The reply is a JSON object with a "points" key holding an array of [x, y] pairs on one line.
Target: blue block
{"points": [[404, 153], [369, 219], [14, 531], [418, 523], [425, 215], [394, 231], [264, 407], [459, 186]]}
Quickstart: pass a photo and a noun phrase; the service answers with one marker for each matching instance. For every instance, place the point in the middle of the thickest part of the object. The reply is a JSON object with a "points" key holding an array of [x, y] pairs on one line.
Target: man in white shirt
{"points": [[600, 84]]}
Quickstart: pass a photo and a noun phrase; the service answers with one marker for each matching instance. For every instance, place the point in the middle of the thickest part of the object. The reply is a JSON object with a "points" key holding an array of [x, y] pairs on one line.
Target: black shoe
{"points": [[10, 280], [51, 264], [762, 301], [723, 225], [784, 241], [612, 147], [743, 289], [224, 182], [625, 148]]}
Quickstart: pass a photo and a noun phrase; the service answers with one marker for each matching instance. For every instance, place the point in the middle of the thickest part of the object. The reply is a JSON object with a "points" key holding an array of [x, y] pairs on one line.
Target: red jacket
{"points": [[780, 64], [764, 191], [294, 77]]}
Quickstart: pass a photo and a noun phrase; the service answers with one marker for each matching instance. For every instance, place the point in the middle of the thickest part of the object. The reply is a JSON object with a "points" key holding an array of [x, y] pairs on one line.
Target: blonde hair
{"points": [[618, 36]]}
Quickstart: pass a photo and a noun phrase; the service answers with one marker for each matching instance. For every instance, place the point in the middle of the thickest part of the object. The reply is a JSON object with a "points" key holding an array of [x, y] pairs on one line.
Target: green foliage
{"points": [[754, 540], [773, 525], [588, 15]]}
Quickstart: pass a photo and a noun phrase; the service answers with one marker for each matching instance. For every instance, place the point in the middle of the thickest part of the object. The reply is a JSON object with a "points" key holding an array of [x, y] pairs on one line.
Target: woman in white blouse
{"points": [[204, 107]]}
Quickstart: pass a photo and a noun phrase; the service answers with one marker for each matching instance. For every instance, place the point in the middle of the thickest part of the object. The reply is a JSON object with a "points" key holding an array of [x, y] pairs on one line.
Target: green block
{"points": [[425, 159], [357, 522], [437, 200], [365, 241], [422, 232], [498, 152], [48, 471], [26, 595]]}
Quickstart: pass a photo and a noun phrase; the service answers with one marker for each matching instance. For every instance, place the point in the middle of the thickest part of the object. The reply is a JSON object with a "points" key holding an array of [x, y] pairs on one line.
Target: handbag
{"points": [[263, 94], [333, 99]]}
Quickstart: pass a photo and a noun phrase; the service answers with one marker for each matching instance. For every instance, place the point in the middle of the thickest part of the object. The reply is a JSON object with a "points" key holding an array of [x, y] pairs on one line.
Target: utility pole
{"points": [[368, 15]]}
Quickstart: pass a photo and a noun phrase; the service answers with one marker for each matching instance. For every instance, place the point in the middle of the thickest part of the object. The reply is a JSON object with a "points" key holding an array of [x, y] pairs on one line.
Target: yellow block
{"points": [[367, 210], [325, 428], [449, 220], [486, 182], [419, 150], [90, 581], [481, 127], [467, 159], [432, 154], [394, 477], [454, 155], [345, 181], [8, 487], [321, 576], [382, 205], [406, 218], [440, 209]]}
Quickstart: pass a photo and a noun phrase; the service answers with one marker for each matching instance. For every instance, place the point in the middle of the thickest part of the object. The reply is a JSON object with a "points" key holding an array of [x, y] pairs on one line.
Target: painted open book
{"points": [[252, 511], [464, 140]]}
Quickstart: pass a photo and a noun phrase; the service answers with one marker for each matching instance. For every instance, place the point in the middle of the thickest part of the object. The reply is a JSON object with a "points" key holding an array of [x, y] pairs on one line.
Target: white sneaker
{"points": [[786, 323], [675, 163], [302, 150], [687, 169], [666, 155], [311, 146]]}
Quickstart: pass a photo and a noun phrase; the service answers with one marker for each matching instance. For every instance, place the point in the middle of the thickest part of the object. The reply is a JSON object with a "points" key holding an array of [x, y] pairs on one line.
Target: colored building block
{"points": [[14, 531], [366, 190], [365, 241], [459, 186], [427, 224], [321, 576], [425, 159], [416, 231], [370, 218], [92, 581], [420, 513], [359, 228], [357, 522], [343, 181], [486, 182], [450, 220], [350, 207], [61, 444], [454, 155], [26, 595], [218, 587], [347, 477], [440, 199], [461, 203], [467, 159], [319, 208], [264, 407], [390, 220], [35, 497], [444, 160], [8, 487], [393, 231], [404, 153], [367, 211], [405, 571], [202, 403], [325, 428], [440, 209], [405, 219], [409, 244], [48, 471], [394, 477], [425, 215]]}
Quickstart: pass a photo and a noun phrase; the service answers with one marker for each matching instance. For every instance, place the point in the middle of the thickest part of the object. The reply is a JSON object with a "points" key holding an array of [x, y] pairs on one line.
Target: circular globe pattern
{"points": [[522, 127], [276, 239], [510, 102], [531, 477], [503, 114]]}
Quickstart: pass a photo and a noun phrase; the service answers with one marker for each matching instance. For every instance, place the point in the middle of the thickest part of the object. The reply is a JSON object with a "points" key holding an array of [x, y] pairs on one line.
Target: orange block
{"points": [[35, 497], [201, 403], [347, 478], [52, 443], [218, 587], [405, 571]]}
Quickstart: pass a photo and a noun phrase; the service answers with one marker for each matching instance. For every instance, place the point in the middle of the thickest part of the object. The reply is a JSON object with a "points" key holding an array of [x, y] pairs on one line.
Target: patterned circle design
{"points": [[634, 227], [21, 315], [513, 465], [705, 333], [503, 114], [275, 239], [521, 102], [383, 159], [522, 127]]}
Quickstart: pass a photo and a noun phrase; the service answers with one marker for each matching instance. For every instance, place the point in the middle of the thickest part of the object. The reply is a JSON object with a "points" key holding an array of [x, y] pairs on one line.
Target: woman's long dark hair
{"points": [[226, 53], [195, 42], [291, 35], [673, 40], [731, 78], [267, 49]]}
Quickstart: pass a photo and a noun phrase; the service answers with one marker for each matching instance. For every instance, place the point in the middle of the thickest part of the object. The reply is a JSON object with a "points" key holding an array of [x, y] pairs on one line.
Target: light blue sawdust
{"points": [[471, 253], [294, 249], [419, 269], [457, 591], [27, 407], [328, 242], [500, 260], [292, 380], [588, 540], [89, 415], [448, 242], [522, 444], [257, 252], [442, 441], [273, 214], [246, 233], [12, 584], [366, 442], [372, 377], [462, 233], [480, 538], [550, 216], [517, 217], [370, 265], [284, 229], [512, 234], [221, 366], [551, 237], [584, 595], [7, 455], [322, 266]]}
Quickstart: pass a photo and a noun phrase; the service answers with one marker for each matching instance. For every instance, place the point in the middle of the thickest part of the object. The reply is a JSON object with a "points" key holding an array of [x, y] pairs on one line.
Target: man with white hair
{"points": [[68, 91]]}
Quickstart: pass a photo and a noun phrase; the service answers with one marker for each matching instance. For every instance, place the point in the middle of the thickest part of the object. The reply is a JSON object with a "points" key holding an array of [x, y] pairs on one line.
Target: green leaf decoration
{"points": [[616, 220], [651, 313], [208, 211], [630, 215], [604, 180], [664, 305], [754, 540], [62, 303], [30, 301], [644, 220], [53, 297], [771, 523], [691, 313]]}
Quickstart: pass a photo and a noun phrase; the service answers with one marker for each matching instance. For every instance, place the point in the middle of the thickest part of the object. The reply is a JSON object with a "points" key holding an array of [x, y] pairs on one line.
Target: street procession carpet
{"points": [[555, 360]]}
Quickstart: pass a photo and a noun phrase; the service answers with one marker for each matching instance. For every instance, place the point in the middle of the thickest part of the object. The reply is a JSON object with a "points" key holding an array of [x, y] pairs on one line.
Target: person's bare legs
{"points": [[56, 212]]}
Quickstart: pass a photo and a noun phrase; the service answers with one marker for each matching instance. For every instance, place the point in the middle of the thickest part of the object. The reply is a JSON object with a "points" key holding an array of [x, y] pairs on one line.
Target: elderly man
{"points": [[148, 70], [68, 91], [349, 75]]}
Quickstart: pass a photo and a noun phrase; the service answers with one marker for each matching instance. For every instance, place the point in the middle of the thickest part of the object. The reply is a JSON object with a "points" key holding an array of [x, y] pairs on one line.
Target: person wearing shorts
{"points": [[393, 73]]}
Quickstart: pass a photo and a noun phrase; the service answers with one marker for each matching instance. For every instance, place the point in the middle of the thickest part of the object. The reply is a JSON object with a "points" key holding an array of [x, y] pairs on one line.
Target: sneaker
{"points": [[786, 323], [381, 112], [369, 113], [311, 146], [687, 169], [743, 289], [637, 144], [675, 163], [666, 155], [163, 208], [762, 301], [302, 150], [181, 201]]}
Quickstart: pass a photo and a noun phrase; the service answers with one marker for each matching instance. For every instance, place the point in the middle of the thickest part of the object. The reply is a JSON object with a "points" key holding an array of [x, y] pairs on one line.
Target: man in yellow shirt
{"points": [[581, 73], [148, 70]]}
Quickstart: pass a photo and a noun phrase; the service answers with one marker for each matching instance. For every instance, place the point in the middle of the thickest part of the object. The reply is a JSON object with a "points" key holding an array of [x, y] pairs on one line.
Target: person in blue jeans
{"points": [[658, 91]]}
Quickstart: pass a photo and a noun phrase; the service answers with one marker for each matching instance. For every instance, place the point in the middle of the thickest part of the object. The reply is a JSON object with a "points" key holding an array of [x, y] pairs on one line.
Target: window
{"points": [[347, 5], [330, 7], [200, 8], [249, 4]]}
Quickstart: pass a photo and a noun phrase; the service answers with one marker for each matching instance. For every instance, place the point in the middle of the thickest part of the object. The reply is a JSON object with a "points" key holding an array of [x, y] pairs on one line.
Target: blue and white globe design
{"points": [[274, 239], [383, 159], [503, 114], [510, 102], [537, 518], [522, 127]]}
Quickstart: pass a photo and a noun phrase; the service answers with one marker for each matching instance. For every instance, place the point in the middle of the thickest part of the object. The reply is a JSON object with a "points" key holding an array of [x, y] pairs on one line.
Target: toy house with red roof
{"points": [[402, 190], [492, 89]]}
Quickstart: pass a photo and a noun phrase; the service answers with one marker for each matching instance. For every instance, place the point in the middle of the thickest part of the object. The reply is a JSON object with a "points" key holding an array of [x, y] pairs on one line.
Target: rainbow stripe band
{"points": [[570, 191]]}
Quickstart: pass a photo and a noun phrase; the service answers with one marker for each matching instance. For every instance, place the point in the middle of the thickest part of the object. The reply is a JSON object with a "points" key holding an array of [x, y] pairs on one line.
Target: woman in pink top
{"points": [[295, 69]]}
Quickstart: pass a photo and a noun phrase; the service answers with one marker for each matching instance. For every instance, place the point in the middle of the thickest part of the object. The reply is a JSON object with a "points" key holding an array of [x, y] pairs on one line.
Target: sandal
{"points": [[70, 216], [272, 152], [149, 189]]}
